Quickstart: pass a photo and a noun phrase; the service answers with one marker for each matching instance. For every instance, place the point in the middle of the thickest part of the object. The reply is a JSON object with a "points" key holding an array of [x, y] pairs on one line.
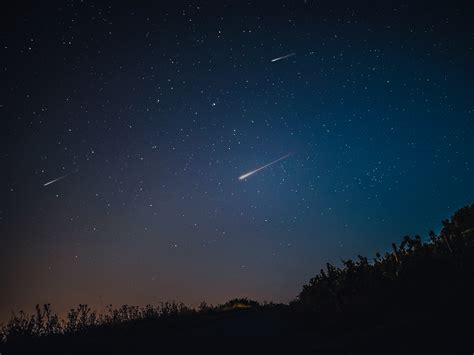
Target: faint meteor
{"points": [[284, 57], [246, 175], [59, 178]]}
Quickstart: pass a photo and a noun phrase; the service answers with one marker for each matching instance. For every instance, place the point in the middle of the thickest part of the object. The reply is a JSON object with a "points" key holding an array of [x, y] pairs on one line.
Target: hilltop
{"points": [[416, 297]]}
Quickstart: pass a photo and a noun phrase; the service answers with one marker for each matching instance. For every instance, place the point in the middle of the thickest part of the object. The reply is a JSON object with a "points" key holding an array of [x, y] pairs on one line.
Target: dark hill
{"points": [[416, 298]]}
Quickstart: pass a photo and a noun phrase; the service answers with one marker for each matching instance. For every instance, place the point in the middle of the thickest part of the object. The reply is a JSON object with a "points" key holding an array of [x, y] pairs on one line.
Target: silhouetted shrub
{"points": [[431, 270]]}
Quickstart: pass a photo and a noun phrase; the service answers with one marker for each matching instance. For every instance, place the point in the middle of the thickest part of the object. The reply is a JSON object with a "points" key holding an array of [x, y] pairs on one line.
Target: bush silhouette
{"points": [[430, 271]]}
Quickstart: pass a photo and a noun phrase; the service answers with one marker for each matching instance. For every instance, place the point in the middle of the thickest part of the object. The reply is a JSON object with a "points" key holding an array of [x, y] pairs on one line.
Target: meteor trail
{"points": [[59, 178], [285, 56], [246, 175]]}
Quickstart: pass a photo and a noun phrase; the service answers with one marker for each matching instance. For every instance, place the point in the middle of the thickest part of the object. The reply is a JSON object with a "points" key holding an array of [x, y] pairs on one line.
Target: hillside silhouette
{"points": [[416, 297]]}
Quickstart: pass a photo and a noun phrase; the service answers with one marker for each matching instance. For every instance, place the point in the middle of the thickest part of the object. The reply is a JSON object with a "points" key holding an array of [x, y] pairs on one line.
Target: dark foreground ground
{"points": [[418, 298], [263, 330]]}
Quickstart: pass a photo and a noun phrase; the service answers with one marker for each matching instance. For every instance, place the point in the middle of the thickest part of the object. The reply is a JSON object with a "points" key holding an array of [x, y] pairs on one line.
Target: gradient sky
{"points": [[156, 110]]}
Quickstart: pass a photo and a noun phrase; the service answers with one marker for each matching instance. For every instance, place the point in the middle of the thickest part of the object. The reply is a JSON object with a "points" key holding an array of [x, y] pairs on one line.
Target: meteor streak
{"points": [[284, 57], [59, 178], [246, 175]]}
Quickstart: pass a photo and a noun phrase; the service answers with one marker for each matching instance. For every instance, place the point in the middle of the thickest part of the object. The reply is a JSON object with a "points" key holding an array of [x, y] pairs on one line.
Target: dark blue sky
{"points": [[156, 110]]}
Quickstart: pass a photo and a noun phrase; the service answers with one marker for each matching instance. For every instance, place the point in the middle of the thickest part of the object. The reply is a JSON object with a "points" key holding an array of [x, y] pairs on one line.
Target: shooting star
{"points": [[59, 178], [246, 175], [284, 57]]}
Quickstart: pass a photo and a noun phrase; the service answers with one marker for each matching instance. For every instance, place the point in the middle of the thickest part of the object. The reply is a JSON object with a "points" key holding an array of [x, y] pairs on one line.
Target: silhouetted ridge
{"points": [[418, 295]]}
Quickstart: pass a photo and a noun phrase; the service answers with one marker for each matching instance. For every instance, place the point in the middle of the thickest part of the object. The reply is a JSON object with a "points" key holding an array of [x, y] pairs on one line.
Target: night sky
{"points": [[148, 114]]}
